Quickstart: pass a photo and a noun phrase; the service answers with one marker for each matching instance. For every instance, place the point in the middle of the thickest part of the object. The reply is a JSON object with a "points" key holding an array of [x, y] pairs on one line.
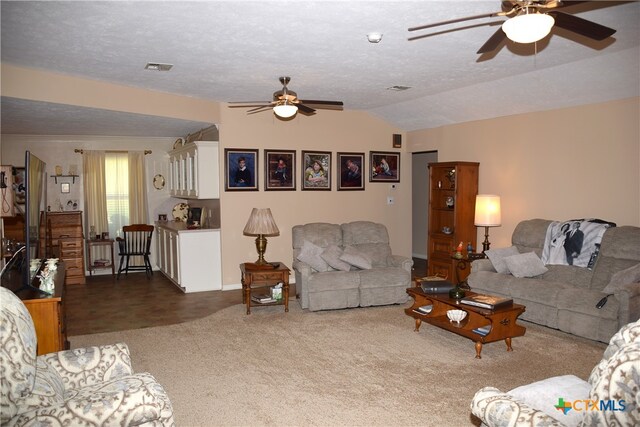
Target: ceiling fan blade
{"points": [[494, 41], [249, 102], [315, 102], [259, 109], [453, 21], [306, 110], [581, 26]]}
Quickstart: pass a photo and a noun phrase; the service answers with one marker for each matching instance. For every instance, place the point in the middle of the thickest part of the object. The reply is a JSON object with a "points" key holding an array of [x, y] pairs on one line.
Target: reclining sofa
{"points": [[349, 265], [565, 296]]}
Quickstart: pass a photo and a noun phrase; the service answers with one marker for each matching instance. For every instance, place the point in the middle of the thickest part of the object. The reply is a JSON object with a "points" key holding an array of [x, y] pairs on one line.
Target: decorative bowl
{"points": [[456, 315]]}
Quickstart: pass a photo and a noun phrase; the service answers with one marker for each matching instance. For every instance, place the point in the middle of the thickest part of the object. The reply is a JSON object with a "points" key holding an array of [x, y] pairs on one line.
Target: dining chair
{"points": [[136, 242]]}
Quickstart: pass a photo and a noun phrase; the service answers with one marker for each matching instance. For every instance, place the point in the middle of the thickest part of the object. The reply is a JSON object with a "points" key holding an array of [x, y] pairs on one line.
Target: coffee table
{"points": [[502, 320]]}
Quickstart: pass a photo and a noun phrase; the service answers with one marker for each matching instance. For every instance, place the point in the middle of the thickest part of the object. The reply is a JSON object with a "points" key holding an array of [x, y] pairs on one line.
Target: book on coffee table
{"points": [[425, 309], [483, 330], [486, 301]]}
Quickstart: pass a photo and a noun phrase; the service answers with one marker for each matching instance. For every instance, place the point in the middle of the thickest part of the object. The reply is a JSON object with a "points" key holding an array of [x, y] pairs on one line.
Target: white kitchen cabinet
{"points": [[193, 170], [190, 258]]}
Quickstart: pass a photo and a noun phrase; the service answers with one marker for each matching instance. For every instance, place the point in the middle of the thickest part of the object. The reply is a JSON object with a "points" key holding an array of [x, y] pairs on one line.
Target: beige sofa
{"points": [[565, 296], [325, 258]]}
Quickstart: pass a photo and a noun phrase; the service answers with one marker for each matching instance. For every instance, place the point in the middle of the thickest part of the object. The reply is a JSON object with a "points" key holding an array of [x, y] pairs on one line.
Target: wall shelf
{"points": [[73, 177]]}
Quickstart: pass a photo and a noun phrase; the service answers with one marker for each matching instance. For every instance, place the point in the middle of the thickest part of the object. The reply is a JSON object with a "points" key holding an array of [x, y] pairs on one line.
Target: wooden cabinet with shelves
{"points": [[194, 171], [65, 241], [453, 187]]}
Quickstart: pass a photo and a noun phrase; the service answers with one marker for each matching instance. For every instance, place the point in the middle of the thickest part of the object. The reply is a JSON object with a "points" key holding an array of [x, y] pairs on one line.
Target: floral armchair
{"points": [[611, 396], [88, 386]]}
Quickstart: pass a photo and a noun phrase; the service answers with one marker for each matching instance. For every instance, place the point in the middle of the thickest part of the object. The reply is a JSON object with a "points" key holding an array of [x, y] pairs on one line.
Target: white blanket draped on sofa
{"points": [[574, 242]]}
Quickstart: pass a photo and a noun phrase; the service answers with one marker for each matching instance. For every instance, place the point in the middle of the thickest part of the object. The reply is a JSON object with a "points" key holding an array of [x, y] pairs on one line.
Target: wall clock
{"points": [[158, 182]]}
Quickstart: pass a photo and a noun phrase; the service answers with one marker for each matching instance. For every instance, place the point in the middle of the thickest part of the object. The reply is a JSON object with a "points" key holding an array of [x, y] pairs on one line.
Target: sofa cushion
{"points": [[622, 278], [332, 256], [570, 274], [378, 253], [356, 258], [311, 254], [318, 233], [543, 395], [585, 302], [385, 277], [525, 265], [529, 235], [619, 250], [333, 281], [360, 232], [497, 256]]}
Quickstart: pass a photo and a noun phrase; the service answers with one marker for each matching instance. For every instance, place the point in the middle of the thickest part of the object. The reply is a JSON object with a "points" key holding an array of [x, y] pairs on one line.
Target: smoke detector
{"points": [[374, 37]]}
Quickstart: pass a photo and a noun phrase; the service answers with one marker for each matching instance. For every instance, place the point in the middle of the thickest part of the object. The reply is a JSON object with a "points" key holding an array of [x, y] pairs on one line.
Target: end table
{"points": [[256, 277]]}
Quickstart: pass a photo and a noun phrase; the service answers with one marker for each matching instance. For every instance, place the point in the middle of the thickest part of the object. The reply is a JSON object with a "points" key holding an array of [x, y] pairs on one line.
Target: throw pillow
{"points": [[622, 278], [543, 395], [356, 258], [497, 256], [332, 256], [525, 265], [310, 254]]}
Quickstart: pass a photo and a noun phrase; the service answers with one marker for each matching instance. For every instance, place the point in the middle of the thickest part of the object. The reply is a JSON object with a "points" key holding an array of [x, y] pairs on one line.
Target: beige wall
{"points": [[36, 85], [569, 163], [345, 131]]}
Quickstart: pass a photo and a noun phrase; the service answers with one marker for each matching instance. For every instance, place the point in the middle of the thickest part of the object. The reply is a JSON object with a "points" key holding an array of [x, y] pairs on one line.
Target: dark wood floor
{"points": [[105, 304]]}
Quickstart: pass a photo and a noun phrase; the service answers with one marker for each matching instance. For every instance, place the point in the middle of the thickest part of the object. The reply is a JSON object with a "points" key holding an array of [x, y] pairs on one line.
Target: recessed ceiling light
{"points": [[398, 88], [157, 66], [374, 37]]}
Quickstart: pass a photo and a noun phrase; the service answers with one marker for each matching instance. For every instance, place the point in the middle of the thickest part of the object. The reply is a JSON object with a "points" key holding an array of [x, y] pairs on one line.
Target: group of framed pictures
{"points": [[280, 169]]}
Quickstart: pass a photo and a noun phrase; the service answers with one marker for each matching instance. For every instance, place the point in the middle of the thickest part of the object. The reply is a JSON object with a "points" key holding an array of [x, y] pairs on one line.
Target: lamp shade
{"points": [[261, 222], [487, 211], [528, 27], [285, 110]]}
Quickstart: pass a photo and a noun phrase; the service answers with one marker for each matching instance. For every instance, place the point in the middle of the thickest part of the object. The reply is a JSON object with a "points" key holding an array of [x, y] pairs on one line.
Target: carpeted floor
{"points": [[355, 367]]}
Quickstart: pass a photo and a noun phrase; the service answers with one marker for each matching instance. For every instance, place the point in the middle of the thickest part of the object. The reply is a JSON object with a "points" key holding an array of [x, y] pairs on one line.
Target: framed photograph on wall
{"points": [[384, 166], [350, 167], [241, 167], [316, 170], [279, 170]]}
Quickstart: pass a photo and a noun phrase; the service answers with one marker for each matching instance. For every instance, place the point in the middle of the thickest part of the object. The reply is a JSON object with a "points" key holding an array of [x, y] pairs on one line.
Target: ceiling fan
{"points": [[530, 21], [286, 104]]}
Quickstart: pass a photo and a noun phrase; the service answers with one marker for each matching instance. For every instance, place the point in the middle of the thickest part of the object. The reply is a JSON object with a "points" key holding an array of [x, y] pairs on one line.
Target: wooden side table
{"points": [[103, 242], [254, 277], [463, 265]]}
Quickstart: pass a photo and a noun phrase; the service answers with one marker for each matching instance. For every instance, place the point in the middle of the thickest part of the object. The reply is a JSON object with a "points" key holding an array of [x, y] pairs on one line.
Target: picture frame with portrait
{"points": [[316, 170], [384, 166], [350, 171], [279, 170], [240, 171]]}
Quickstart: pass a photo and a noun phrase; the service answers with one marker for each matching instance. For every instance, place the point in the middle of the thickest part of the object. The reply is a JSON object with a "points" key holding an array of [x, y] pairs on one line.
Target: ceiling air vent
{"points": [[398, 88], [156, 66]]}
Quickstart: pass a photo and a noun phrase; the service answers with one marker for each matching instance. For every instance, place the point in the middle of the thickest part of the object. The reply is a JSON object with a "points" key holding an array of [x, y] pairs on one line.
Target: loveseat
{"points": [[609, 398], [92, 386], [565, 296], [349, 265]]}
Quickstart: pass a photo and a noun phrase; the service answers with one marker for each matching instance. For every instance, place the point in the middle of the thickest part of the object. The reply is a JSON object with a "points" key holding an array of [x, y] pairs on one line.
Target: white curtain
{"points": [[137, 188], [95, 198]]}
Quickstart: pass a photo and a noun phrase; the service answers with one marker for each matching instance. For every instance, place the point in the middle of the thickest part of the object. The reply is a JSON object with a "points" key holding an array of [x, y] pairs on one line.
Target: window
{"points": [[117, 189]]}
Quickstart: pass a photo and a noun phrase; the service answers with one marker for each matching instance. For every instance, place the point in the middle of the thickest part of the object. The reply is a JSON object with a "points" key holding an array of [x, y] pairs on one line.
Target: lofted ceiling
{"points": [[236, 50]]}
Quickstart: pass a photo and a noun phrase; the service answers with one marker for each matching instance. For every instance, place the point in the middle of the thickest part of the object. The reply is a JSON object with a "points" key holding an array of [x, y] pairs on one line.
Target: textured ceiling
{"points": [[235, 51]]}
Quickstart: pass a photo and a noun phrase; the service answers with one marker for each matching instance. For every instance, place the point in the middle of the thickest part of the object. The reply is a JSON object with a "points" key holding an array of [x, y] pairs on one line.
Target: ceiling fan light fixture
{"points": [[285, 110], [528, 27]]}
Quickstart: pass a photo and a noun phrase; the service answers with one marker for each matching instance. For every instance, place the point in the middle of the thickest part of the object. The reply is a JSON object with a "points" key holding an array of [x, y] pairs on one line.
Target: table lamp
{"points": [[487, 215], [261, 224]]}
